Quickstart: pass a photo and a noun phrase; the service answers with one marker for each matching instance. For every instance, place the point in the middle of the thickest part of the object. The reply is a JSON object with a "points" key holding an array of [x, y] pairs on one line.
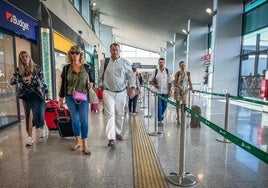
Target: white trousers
{"points": [[114, 108]]}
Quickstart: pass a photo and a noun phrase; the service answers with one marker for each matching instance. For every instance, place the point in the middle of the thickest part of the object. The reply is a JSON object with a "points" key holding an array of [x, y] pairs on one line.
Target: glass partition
{"points": [[8, 102]]}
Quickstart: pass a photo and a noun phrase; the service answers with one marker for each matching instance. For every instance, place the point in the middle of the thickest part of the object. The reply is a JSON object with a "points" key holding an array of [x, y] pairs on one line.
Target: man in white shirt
{"points": [[114, 78], [161, 80]]}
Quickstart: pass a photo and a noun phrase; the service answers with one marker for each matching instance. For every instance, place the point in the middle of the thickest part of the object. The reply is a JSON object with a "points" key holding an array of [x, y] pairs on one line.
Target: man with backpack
{"points": [[115, 75], [161, 80]]}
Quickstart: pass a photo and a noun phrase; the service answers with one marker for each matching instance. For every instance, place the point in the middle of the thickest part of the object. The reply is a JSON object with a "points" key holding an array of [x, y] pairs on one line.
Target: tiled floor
{"points": [[50, 163]]}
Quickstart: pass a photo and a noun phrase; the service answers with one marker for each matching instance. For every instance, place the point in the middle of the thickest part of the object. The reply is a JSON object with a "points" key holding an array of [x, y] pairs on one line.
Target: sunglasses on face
{"points": [[77, 53]]}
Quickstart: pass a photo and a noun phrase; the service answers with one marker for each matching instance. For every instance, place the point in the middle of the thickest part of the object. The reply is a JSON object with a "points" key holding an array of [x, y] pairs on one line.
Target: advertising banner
{"points": [[18, 22]]}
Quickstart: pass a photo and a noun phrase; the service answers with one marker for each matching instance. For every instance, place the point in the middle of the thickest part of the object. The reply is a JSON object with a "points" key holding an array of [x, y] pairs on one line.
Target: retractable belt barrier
{"points": [[260, 154]]}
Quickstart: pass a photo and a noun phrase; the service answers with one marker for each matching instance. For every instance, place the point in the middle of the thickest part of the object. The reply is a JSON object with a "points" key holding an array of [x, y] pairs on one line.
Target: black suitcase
{"points": [[194, 121], [63, 122]]}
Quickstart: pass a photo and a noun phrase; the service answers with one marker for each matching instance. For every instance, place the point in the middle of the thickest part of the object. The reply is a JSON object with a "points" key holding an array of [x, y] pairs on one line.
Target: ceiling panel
{"points": [[149, 24]]}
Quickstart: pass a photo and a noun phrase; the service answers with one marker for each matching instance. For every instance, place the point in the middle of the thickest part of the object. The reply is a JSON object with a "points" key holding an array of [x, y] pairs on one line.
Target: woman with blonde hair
{"points": [[32, 89], [77, 76]]}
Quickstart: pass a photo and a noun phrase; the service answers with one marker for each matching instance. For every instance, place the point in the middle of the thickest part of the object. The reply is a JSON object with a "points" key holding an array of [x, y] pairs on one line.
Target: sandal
{"points": [[75, 147], [86, 152]]}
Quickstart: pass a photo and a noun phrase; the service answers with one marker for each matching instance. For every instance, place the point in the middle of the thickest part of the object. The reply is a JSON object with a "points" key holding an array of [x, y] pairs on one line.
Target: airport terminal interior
{"points": [[212, 161], [224, 41]]}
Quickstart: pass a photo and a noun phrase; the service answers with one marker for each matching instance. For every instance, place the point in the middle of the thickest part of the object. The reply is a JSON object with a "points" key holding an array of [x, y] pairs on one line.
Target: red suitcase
{"points": [[50, 113], [99, 93], [63, 122]]}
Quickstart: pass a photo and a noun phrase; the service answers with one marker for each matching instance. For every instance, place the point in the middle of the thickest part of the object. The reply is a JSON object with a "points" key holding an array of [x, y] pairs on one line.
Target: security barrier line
{"points": [[260, 154], [147, 169]]}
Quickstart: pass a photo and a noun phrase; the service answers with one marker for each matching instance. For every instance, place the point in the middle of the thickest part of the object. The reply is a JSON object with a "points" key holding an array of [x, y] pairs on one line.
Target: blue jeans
{"points": [[162, 106], [132, 103], [79, 115]]}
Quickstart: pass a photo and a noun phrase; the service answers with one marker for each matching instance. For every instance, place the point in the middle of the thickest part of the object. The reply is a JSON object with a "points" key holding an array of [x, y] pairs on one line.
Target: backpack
{"points": [[156, 71]]}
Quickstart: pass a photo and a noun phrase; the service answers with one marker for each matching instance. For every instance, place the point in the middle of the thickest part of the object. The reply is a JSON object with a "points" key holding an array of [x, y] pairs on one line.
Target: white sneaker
{"points": [[43, 132], [29, 141]]}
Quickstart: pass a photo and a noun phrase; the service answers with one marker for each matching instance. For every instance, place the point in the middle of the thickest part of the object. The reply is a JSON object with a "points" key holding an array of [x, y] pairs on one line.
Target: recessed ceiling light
{"points": [[93, 4], [209, 11]]}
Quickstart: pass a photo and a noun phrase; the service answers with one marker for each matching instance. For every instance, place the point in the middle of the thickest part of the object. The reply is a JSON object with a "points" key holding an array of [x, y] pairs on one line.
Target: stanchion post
{"points": [[148, 115], [226, 120], [182, 142], [156, 132], [189, 101], [182, 178], [143, 106]]}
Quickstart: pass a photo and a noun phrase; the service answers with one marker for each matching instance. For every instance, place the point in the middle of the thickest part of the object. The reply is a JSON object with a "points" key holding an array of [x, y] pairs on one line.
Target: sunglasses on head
{"points": [[73, 52]]}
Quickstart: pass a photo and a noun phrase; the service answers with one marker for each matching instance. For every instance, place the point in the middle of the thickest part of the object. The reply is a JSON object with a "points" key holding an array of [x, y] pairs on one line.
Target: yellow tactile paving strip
{"points": [[147, 170]]}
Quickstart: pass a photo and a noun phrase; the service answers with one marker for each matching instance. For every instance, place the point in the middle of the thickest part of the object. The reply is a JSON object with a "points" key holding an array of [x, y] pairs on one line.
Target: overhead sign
{"points": [[136, 65], [148, 66], [207, 57], [14, 20]]}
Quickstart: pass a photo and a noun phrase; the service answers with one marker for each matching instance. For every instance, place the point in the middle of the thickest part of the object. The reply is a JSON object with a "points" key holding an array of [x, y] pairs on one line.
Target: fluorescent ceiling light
{"points": [[185, 32]]}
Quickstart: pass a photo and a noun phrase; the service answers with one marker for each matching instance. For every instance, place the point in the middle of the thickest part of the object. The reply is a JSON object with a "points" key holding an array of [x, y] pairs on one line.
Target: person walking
{"points": [[140, 79], [33, 91], [76, 75], [161, 80], [115, 75], [182, 82], [132, 103]]}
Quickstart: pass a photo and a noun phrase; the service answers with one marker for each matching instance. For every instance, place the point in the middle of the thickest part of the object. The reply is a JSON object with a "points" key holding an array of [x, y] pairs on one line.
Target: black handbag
{"points": [[25, 92]]}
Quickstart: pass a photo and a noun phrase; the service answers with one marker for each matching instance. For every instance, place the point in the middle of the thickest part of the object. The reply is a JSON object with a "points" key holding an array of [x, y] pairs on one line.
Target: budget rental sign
{"points": [[16, 21]]}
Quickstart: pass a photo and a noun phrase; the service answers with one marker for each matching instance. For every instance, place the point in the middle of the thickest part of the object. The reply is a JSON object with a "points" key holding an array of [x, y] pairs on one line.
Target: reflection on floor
{"points": [[50, 163]]}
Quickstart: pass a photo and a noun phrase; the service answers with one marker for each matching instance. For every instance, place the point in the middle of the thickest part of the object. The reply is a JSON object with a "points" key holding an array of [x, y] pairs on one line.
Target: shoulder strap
{"points": [[178, 74], [156, 71], [90, 72], [106, 61], [66, 71], [167, 70]]}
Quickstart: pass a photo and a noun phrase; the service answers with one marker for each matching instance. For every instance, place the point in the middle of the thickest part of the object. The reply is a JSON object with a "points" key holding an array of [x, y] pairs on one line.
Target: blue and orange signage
{"points": [[16, 21]]}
